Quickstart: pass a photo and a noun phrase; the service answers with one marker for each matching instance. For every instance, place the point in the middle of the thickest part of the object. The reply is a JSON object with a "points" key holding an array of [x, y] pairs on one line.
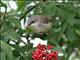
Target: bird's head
{"points": [[39, 23]]}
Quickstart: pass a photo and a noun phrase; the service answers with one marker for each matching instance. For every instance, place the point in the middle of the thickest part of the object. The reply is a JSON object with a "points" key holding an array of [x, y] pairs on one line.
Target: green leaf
{"points": [[21, 4], [2, 56], [69, 6], [16, 53], [5, 27], [16, 22], [7, 50], [50, 9], [63, 29], [15, 58], [65, 14], [70, 34], [77, 21], [77, 31], [27, 47], [8, 32], [58, 48], [13, 35], [78, 11], [29, 54]]}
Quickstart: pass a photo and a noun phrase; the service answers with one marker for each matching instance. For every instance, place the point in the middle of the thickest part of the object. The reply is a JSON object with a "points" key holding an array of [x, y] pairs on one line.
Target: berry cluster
{"points": [[42, 53]]}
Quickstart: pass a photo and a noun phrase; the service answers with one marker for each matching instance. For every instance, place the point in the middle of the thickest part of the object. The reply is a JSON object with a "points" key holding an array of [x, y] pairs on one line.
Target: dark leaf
{"points": [[2, 56], [7, 50], [13, 35]]}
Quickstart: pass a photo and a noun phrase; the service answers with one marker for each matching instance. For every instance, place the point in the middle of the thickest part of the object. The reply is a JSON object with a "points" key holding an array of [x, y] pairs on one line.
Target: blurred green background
{"points": [[64, 34]]}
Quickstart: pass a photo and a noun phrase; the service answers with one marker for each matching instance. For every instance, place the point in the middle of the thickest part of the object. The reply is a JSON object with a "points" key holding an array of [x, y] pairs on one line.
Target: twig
{"points": [[28, 11]]}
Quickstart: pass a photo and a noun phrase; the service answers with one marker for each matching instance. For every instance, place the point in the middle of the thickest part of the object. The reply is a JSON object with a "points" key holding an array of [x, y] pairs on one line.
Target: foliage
{"points": [[65, 31]]}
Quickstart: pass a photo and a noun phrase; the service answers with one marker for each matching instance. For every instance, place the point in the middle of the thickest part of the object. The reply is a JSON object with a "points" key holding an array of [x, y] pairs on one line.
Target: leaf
{"points": [[55, 37], [50, 9], [70, 34], [16, 53], [63, 29], [21, 4], [58, 48], [13, 35], [21, 31], [15, 58], [69, 6], [16, 22], [8, 32], [77, 31], [78, 11], [29, 54], [77, 21], [27, 47], [5, 38], [65, 14], [2, 56], [6, 26], [7, 50]]}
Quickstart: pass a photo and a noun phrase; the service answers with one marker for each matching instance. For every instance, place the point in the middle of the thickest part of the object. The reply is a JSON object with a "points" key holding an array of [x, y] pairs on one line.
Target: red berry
{"points": [[33, 57], [50, 47], [41, 53]]}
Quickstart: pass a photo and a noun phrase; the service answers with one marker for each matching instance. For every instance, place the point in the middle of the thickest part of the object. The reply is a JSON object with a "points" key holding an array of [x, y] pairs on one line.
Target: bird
{"points": [[39, 23]]}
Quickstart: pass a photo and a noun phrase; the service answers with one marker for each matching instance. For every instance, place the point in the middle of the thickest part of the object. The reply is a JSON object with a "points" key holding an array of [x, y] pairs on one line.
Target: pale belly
{"points": [[42, 28]]}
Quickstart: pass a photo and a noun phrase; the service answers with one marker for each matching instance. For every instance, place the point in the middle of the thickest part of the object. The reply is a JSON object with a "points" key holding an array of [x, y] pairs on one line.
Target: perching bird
{"points": [[39, 23]]}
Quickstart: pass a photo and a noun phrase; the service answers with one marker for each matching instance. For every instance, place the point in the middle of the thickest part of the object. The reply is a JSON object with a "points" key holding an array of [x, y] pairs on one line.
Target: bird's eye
{"points": [[32, 21]]}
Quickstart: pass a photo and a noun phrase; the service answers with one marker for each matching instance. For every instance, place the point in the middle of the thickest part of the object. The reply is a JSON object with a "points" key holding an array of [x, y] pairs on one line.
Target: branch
{"points": [[28, 11]]}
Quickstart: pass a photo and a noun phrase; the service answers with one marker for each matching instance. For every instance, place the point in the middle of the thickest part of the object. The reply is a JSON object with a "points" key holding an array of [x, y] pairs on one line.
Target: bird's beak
{"points": [[27, 27]]}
